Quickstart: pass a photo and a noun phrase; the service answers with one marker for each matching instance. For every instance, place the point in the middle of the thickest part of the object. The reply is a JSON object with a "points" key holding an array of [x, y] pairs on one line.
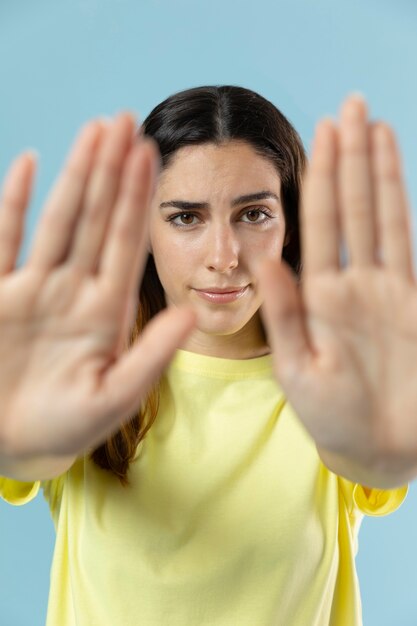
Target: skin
{"points": [[67, 382], [217, 246], [344, 341]]}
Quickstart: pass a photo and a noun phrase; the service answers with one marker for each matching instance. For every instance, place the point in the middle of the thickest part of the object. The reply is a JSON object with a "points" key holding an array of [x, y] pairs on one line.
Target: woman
{"points": [[218, 470]]}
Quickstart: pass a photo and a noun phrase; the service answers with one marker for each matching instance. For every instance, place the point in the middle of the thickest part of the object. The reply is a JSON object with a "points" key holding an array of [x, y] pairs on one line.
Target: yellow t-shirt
{"points": [[231, 520]]}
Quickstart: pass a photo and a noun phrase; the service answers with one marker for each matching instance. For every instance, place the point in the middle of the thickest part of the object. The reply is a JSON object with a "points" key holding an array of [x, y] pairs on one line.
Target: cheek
{"points": [[172, 249], [268, 244], [174, 263]]}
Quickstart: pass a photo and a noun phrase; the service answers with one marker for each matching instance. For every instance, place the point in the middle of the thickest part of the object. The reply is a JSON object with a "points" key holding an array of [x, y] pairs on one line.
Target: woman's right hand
{"points": [[66, 381]]}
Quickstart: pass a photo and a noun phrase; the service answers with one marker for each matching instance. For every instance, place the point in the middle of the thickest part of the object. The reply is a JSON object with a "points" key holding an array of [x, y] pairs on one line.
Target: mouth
{"points": [[222, 295]]}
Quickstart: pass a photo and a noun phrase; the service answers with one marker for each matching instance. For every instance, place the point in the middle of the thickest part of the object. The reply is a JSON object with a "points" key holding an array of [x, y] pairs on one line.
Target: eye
{"points": [[186, 219], [253, 216]]}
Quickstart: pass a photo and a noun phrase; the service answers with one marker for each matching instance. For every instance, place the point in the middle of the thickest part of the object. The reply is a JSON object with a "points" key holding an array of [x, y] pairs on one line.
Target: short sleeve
{"points": [[17, 492], [377, 502]]}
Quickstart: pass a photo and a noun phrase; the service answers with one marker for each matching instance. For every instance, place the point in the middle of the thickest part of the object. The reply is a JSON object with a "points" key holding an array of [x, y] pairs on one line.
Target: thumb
{"points": [[284, 319], [124, 385]]}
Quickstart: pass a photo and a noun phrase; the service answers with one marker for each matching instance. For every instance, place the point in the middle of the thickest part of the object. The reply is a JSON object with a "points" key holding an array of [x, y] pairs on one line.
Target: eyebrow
{"points": [[250, 197]]}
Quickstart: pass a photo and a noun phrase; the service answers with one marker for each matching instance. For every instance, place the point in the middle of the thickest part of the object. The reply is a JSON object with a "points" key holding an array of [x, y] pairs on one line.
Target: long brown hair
{"points": [[214, 114]]}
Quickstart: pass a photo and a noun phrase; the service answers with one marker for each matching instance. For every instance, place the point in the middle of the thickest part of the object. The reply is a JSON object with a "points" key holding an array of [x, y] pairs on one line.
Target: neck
{"points": [[247, 343]]}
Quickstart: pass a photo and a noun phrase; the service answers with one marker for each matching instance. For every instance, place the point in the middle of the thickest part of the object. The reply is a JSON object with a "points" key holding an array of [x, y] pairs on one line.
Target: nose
{"points": [[222, 249]]}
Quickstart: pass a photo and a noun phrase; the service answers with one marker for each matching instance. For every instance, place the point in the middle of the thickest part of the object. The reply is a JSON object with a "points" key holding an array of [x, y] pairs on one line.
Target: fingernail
{"points": [[105, 120], [357, 95], [327, 119], [354, 108], [33, 153], [382, 136]]}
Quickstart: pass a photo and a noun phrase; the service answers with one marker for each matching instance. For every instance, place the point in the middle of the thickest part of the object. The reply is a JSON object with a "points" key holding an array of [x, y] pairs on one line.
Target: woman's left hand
{"points": [[344, 340]]}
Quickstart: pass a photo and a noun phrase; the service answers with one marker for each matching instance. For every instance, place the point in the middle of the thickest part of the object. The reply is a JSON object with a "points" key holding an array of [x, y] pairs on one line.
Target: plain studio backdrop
{"points": [[62, 63]]}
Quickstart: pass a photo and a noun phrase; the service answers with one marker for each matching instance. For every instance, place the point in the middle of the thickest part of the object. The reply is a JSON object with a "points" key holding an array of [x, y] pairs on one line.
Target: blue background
{"points": [[64, 62]]}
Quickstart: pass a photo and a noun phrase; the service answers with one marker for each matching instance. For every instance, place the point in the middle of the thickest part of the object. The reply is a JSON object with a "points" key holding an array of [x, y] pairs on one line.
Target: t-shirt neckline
{"points": [[217, 366]]}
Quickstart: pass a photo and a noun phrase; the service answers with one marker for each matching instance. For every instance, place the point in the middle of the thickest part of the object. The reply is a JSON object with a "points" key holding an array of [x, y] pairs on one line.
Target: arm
{"points": [[373, 478], [32, 470]]}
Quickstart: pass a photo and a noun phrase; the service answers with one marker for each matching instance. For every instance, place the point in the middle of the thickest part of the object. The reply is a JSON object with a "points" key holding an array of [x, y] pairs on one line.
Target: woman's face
{"points": [[207, 229]]}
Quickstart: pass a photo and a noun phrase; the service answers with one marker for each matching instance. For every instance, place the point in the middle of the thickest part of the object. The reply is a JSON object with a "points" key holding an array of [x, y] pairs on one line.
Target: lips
{"points": [[224, 295], [231, 289]]}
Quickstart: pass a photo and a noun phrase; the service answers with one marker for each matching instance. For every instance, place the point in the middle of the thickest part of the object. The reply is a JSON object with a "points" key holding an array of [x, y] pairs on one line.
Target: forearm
{"points": [[371, 477]]}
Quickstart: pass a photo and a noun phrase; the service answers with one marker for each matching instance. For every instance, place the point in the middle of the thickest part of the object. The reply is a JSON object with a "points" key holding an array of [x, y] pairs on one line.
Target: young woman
{"points": [[212, 465]]}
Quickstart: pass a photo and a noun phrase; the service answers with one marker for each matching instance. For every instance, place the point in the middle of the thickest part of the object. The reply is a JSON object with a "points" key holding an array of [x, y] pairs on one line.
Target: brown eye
{"points": [[253, 215], [256, 216], [182, 219], [186, 218]]}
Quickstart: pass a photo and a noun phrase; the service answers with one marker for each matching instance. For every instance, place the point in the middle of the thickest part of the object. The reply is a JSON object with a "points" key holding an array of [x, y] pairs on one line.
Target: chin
{"points": [[208, 327]]}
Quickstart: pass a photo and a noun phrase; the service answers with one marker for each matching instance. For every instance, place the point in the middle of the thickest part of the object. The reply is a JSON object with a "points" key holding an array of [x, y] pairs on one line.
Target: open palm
{"points": [[66, 379], [345, 339]]}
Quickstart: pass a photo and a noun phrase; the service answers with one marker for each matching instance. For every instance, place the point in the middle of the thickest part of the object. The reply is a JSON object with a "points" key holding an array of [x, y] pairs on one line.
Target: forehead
{"points": [[211, 168]]}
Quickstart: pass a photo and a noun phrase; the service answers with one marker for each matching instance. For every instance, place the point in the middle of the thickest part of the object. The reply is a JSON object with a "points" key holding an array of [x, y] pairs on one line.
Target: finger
{"points": [[125, 384], [125, 248], [393, 215], [128, 324], [355, 184], [320, 222], [101, 193], [13, 204], [55, 231], [282, 313]]}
